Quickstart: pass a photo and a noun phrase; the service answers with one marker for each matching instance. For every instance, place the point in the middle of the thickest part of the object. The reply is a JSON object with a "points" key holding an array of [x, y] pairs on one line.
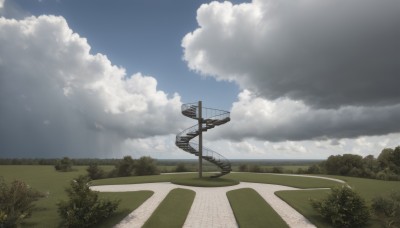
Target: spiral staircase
{"points": [[207, 118]]}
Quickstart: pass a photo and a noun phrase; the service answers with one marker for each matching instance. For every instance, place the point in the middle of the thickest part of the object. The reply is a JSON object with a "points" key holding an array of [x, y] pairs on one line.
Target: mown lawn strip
{"points": [[173, 210], [251, 210]]}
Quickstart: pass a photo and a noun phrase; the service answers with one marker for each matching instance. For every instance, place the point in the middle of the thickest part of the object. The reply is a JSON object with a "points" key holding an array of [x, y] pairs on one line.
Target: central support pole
{"points": [[200, 140]]}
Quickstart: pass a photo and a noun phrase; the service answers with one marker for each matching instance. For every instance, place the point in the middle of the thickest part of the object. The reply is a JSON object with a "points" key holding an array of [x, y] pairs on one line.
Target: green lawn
{"points": [[251, 210], [173, 210], [205, 182], [368, 189], [300, 200], [292, 181], [129, 201], [47, 180]]}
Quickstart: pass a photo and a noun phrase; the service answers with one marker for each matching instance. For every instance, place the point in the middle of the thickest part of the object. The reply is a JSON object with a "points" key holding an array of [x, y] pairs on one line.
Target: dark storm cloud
{"points": [[325, 53], [309, 69]]}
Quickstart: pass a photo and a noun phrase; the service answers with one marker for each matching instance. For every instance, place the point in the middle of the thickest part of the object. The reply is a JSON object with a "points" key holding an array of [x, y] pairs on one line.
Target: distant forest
{"points": [[385, 167]]}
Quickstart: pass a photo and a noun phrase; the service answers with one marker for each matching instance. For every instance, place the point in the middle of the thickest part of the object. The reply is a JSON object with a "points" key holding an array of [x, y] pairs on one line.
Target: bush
{"points": [[146, 166], [181, 168], [64, 165], [243, 168], [314, 169], [343, 208], [94, 172], [16, 202], [125, 167], [388, 209], [84, 208], [255, 169], [277, 169]]}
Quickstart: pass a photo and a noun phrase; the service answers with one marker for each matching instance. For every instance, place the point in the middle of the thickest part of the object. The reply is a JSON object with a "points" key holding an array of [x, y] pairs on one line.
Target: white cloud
{"points": [[92, 105], [284, 119]]}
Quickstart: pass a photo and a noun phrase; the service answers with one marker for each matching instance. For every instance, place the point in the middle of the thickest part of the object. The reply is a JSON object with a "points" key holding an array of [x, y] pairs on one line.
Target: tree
{"points": [[84, 208], [387, 209], [16, 202], [181, 168], [385, 157], [94, 172], [343, 208], [243, 168], [64, 165], [146, 166], [314, 169], [395, 159], [343, 164], [125, 167]]}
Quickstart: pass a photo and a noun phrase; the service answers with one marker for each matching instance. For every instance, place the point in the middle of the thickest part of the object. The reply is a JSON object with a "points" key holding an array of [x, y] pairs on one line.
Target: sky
{"points": [[302, 79]]}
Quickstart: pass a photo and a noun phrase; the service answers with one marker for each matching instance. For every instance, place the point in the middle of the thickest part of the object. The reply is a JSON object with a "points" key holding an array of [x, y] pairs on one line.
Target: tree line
{"points": [[385, 167]]}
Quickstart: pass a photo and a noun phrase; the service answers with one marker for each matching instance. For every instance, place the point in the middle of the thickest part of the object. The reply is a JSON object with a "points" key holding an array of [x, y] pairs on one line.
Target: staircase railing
{"points": [[210, 119]]}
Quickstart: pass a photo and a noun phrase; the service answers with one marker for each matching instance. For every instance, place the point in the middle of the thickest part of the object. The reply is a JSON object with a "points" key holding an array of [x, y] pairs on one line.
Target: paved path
{"points": [[210, 207]]}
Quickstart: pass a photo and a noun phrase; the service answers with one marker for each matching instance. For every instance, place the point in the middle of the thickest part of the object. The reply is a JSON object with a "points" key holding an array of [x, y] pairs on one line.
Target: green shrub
{"points": [[255, 169], [277, 169], [94, 172], [146, 166], [343, 208], [64, 165], [181, 168], [84, 208], [387, 209], [243, 168], [125, 167], [16, 202]]}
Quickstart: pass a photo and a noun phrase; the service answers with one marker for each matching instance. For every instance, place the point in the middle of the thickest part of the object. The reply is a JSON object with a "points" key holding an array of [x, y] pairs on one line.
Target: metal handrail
{"points": [[208, 114]]}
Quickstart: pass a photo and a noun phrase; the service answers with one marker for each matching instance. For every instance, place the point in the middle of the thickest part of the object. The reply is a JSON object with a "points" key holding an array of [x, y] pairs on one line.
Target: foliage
{"points": [[16, 202], [387, 209], [255, 169], [385, 167], [146, 166], [243, 168], [84, 208], [314, 169], [205, 182], [64, 165], [125, 167], [343, 208], [94, 172], [277, 169], [181, 168]]}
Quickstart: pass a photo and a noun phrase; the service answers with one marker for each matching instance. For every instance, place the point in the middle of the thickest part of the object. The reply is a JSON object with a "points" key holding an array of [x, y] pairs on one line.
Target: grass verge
{"points": [[300, 201], [205, 182], [367, 188], [251, 210], [45, 179], [129, 201], [173, 210]]}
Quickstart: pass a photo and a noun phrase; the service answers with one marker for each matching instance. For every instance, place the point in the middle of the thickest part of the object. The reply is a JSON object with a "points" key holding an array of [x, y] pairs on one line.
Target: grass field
{"points": [[205, 182], [173, 210], [47, 180], [251, 210], [368, 189], [292, 181]]}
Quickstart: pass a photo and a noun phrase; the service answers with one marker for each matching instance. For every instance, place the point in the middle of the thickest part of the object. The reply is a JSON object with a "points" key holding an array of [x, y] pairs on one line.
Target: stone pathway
{"points": [[210, 207]]}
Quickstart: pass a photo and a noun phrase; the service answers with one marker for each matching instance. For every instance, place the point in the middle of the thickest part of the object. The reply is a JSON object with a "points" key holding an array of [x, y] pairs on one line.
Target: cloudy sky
{"points": [[302, 79]]}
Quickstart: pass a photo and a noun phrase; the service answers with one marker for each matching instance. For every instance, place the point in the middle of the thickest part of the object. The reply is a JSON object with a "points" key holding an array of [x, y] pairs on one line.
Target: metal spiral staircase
{"points": [[207, 118]]}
